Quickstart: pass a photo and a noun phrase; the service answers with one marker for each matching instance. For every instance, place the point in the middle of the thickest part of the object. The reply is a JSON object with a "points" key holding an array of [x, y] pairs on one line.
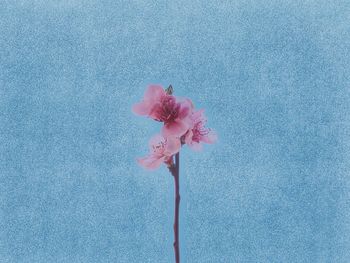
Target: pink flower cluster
{"points": [[182, 125]]}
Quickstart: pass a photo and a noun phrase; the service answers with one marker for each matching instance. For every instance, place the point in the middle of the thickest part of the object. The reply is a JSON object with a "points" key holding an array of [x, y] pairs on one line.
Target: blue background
{"points": [[273, 77]]}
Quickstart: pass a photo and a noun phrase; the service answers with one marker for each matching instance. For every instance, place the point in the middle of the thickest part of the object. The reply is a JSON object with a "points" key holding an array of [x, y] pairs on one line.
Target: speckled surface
{"points": [[273, 77]]}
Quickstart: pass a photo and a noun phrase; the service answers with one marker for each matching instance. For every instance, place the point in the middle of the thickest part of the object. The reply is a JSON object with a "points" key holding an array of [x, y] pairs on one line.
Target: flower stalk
{"points": [[175, 171]]}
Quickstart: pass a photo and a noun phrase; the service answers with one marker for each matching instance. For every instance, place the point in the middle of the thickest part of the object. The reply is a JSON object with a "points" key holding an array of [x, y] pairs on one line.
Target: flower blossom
{"points": [[161, 150], [163, 107], [198, 132]]}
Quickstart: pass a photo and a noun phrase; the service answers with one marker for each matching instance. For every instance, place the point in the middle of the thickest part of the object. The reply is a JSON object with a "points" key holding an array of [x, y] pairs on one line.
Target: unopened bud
{"points": [[169, 90]]}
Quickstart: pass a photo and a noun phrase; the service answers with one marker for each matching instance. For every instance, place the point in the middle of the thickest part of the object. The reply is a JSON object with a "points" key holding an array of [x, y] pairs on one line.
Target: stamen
{"points": [[158, 146]]}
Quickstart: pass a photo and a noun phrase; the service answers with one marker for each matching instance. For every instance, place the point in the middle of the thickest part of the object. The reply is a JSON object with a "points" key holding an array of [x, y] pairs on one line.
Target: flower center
{"points": [[168, 111], [199, 130], [158, 148]]}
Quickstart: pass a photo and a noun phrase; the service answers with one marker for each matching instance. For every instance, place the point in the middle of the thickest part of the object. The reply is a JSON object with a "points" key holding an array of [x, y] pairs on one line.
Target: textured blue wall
{"points": [[273, 77]]}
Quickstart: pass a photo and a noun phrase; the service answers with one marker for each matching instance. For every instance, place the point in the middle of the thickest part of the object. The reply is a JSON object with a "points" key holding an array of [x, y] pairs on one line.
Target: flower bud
{"points": [[169, 90]]}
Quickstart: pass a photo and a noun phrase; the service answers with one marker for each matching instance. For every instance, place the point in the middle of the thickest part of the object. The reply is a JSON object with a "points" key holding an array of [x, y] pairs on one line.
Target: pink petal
{"points": [[151, 98], [154, 93], [172, 146], [174, 128], [188, 137], [185, 101], [210, 138], [195, 146], [156, 140], [199, 115], [154, 112], [188, 121], [141, 108], [151, 162], [186, 108]]}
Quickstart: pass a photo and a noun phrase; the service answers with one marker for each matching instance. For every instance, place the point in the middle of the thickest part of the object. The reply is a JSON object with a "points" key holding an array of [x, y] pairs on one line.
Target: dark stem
{"points": [[175, 171]]}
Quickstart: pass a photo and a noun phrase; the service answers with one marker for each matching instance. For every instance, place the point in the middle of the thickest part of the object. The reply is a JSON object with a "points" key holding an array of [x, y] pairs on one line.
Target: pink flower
{"points": [[160, 106], [199, 133], [161, 150]]}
